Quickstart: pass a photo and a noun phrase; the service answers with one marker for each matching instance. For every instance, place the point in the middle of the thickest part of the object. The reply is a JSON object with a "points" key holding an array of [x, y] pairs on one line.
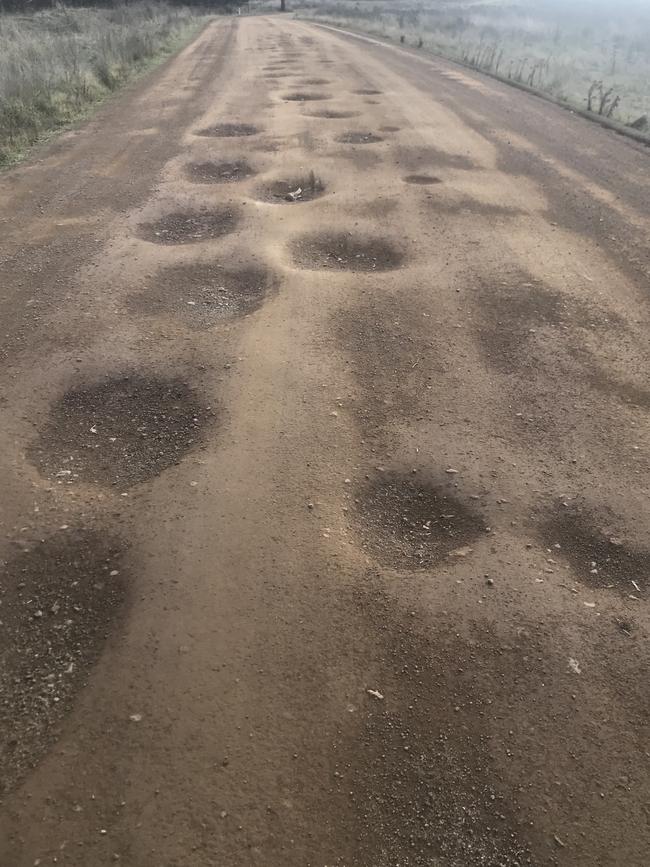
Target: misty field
{"points": [[55, 64], [589, 53]]}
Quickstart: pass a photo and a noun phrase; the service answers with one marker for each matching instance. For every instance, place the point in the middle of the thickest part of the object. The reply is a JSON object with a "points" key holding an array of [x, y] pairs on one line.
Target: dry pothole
{"points": [[58, 599], [189, 228], [598, 555], [121, 431], [342, 251], [304, 96], [203, 294], [229, 130], [219, 173], [389, 129], [300, 188], [312, 82], [422, 179], [411, 524], [333, 114], [359, 138]]}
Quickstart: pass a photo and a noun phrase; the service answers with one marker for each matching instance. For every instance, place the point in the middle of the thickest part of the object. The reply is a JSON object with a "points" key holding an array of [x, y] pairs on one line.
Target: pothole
{"points": [[189, 228], [411, 524], [389, 129], [300, 188], [333, 114], [359, 138], [219, 173], [59, 599], [229, 130], [312, 82], [203, 295], [120, 431], [304, 96], [367, 91], [597, 554], [422, 179], [341, 251]]}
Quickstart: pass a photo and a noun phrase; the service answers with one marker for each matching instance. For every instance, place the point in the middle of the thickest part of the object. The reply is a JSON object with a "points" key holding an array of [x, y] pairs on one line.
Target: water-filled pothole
{"points": [[299, 188], [406, 523], [342, 251], [353, 137], [219, 173], [229, 130], [203, 294], [305, 96], [367, 91], [189, 228], [422, 179], [598, 556], [120, 431], [59, 600]]}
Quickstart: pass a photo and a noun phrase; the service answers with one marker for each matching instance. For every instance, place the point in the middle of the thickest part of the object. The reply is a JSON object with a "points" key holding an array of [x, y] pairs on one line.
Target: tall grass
{"points": [[55, 64], [562, 48]]}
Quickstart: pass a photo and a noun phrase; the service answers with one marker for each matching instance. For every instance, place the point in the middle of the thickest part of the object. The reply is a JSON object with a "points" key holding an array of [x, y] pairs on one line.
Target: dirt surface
{"points": [[325, 525]]}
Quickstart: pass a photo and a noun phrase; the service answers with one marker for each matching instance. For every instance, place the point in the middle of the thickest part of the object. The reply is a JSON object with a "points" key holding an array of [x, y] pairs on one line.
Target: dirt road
{"points": [[325, 522]]}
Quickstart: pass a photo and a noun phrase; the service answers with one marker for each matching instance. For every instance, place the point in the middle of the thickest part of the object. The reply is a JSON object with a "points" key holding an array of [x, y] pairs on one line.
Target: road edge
{"points": [[606, 123]]}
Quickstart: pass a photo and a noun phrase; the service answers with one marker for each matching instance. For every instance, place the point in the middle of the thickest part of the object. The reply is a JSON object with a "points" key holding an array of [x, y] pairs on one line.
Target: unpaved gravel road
{"points": [[325, 522]]}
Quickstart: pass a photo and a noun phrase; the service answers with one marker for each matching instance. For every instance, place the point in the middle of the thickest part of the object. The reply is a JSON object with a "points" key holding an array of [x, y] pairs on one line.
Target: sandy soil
{"points": [[324, 523]]}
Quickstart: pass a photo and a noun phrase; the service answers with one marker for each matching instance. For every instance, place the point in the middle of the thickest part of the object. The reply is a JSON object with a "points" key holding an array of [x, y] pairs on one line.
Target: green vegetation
{"points": [[584, 52], [55, 64]]}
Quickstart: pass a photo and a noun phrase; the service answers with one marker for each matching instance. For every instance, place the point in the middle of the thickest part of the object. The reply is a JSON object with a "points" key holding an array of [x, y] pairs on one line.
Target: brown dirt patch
{"points": [[409, 523], [285, 191], [189, 228], [59, 599], [229, 130], [359, 138], [343, 251], [598, 555], [119, 432], [422, 179], [333, 114], [305, 96], [219, 173], [203, 295]]}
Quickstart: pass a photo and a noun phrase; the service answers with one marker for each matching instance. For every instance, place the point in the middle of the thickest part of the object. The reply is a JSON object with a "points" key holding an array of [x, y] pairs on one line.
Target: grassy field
{"points": [[55, 64], [587, 52]]}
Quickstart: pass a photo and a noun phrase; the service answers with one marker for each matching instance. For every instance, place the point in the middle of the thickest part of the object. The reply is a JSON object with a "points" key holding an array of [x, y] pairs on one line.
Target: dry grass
{"points": [[561, 48], [55, 64]]}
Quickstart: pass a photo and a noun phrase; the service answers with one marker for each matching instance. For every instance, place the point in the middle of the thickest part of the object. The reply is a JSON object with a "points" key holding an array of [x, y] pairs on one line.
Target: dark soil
{"points": [[333, 114], [414, 782], [515, 312], [219, 173], [598, 556], [184, 228], [58, 599], [359, 138], [407, 523], [229, 130], [280, 191], [300, 96], [203, 295], [120, 432], [345, 252], [422, 179]]}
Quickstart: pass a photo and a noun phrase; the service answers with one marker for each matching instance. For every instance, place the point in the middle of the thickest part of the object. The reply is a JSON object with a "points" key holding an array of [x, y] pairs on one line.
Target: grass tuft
{"points": [[55, 64]]}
